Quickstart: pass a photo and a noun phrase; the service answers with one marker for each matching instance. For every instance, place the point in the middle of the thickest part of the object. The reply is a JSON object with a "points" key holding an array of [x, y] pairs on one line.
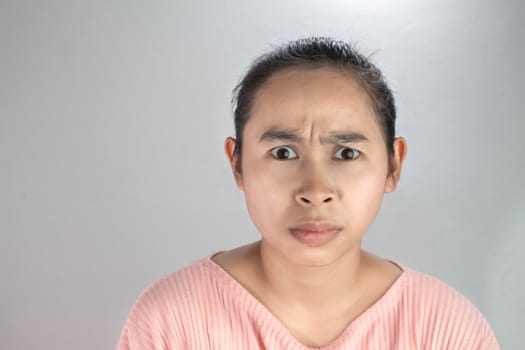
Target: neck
{"points": [[311, 286]]}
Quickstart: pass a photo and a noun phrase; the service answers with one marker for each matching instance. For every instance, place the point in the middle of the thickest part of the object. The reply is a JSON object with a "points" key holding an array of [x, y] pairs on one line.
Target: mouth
{"points": [[315, 234]]}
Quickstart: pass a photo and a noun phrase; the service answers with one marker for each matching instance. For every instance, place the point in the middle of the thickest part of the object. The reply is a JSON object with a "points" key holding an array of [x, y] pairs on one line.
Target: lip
{"points": [[315, 233]]}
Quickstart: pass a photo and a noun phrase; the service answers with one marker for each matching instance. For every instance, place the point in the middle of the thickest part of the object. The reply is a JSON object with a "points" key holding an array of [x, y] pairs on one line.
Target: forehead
{"points": [[303, 98]]}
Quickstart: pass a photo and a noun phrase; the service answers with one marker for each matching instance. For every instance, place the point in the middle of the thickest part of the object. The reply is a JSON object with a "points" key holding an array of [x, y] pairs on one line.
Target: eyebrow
{"points": [[275, 134]]}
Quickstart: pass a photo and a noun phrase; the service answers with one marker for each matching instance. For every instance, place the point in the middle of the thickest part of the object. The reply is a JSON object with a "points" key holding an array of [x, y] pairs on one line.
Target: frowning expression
{"points": [[314, 165]]}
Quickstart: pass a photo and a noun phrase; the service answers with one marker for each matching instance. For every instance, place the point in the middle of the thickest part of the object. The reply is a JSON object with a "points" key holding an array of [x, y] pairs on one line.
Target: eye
{"points": [[346, 153], [283, 153]]}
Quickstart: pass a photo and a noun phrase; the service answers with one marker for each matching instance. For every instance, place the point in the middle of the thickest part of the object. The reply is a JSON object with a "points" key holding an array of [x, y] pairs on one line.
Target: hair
{"points": [[315, 52]]}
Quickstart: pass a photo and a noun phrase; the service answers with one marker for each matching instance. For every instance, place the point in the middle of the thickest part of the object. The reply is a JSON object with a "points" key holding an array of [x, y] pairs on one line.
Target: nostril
{"points": [[305, 200]]}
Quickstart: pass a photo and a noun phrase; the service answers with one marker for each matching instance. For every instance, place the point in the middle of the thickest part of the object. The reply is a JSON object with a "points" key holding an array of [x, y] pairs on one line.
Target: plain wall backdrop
{"points": [[112, 171]]}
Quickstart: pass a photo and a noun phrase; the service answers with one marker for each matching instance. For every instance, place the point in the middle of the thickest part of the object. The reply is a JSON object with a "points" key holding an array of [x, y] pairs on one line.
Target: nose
{"points": [[316, 188]]}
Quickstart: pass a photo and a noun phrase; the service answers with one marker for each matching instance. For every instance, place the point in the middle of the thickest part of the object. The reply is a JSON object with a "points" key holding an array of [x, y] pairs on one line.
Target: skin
{"points": [[315, 290]]}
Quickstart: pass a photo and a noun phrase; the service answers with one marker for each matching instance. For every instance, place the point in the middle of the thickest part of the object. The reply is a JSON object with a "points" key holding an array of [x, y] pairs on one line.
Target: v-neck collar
{"points": [[360, 324]]}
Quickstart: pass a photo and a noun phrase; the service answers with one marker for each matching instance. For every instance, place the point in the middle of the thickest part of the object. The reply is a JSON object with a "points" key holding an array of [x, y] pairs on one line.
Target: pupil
{"points": [[348, 154], [283, 153]]}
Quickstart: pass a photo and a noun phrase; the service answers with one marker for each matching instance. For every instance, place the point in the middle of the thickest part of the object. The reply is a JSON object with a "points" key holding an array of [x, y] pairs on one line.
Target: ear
{"points": [[229, 148], [400, 151]]}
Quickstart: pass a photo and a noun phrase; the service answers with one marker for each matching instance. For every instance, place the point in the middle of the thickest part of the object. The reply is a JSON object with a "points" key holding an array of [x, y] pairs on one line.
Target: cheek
{"points": [[264, 180], [264, 196], [366, 202], [363, 191], [371, 198]]}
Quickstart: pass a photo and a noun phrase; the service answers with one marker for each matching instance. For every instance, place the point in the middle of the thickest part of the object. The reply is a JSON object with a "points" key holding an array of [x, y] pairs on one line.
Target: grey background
{"points": [[112, 173]]}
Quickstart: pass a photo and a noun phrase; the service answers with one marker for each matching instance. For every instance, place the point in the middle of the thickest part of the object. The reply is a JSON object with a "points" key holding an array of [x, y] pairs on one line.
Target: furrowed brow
{"points": [[293, 136], [280, 135], [345, 137]]}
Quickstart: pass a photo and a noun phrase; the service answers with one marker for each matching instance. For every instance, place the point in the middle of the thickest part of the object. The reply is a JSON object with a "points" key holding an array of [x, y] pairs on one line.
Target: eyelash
{"points": [[356, 153], [274, 151], [340, 148]]}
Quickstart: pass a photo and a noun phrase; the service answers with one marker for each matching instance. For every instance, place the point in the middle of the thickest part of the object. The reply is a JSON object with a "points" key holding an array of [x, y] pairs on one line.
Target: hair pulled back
{"points": [[316, 52]]}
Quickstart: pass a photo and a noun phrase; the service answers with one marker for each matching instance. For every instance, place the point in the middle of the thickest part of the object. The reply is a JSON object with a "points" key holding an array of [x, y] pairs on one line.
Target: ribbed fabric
{"points": [[202, 307]]}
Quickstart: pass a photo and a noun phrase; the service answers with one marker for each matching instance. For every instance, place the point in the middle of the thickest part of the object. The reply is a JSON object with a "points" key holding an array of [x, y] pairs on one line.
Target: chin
{"points": [[318, 256]]}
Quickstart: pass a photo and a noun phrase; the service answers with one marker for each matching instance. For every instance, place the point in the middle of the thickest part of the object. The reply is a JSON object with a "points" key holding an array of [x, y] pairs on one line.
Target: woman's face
{"points": [[314, 165]]}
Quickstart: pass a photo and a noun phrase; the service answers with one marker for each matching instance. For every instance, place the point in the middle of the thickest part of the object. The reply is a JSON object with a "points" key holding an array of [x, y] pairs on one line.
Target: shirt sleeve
{"points": [[451, 321], [489, 341], [152, 323]]}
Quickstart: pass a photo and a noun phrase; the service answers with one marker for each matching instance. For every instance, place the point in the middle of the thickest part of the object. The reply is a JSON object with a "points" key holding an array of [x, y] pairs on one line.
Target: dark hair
{"points": [[316, 52]]}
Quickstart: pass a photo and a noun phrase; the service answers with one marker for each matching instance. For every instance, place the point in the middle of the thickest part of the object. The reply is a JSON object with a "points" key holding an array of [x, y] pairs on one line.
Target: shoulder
{"points": [[444, 318], [162, 313], [176, 288], [433, 298]]}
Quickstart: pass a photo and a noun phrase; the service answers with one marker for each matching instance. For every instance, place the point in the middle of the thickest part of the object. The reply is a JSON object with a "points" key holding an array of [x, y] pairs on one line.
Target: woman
{"points": [[314, 153]]}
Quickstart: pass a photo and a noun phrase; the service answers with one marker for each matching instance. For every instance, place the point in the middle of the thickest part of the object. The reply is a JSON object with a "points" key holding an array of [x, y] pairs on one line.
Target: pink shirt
{"points": [[202, 307]]}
